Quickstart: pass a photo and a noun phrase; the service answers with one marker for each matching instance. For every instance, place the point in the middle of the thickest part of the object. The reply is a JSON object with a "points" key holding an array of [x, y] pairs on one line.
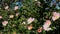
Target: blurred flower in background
{"points": [[6, 7], [17, 14], [46, 25], [58, 5], [23, 22], [0, 17], [4, 23], [55, 16], [30, 20], [52, 3], [36, 0], [16, 4], [16, 7], [39, 30], [30, 27], [11, 16]]}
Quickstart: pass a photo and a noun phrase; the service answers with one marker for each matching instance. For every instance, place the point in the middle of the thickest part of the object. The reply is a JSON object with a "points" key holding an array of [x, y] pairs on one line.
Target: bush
{"points": [[29, 17]]}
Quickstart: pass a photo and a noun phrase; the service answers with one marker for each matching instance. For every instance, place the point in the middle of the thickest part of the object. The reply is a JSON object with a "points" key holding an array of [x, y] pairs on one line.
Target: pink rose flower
{"points": [[0, 17], [46, 25], [47, 29], [4, 23], [30, 27], [39, 30], [16, 7], [17, 14], [30, 20], [55, 16]]}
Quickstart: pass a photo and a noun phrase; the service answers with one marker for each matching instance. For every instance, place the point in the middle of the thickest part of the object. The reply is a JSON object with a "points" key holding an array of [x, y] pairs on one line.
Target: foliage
{"points": [[39, 11]]}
